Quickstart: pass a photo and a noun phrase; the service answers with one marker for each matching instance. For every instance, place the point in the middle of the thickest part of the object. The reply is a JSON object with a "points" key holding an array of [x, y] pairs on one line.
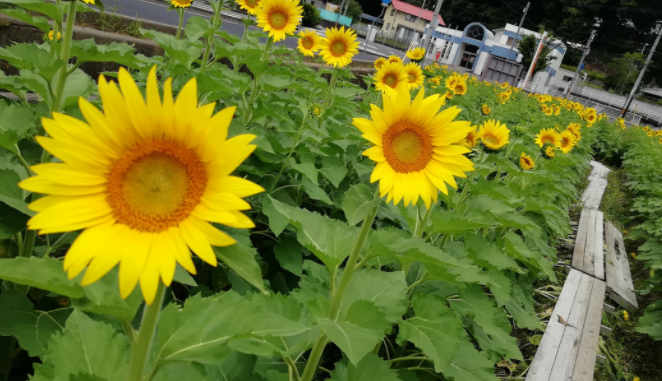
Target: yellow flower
{"points": [[566, 141], [339, 46], [180, 3], [379, 62], [414, 76], [504, 85], [51, 33], [636, 379], [391, 77], [493, 134], [449, 95], [574, 127], [92, 1], [416, 54], [549, 152], [633, 254], [250, 6], [650, 133], [392, 59], [577, 135], [626, 316], [547, 136], [142, 180], [486, 110], [470, 140], [452, 80], [526, 162], [435, 80], [278, 17], [415, 147], [460, 88], [549, 111], [660, 141], [308, 43]]}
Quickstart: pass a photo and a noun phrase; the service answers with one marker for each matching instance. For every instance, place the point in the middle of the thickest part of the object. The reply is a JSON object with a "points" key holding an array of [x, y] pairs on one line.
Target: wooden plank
{"points": [[564, 363], [608, 308], [589, 249], [541, 366], [605, 331], [599, 256], [610, 257], [580, 240], [619, 279], [628, 284], [588, 346]]}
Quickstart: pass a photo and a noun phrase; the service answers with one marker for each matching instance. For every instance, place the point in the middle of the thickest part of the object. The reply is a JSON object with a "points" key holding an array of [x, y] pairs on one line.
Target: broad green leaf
{"points": [[485, 253], [33, 329], [288, 254], [277, 222], [44, 273], [359, 332], [120, 53], [275, 82], [197, 27], [44, 7], [15, 120], [103, 297], [38, 21], [78, 85], [306, 167], [316, 281], [651, 321], [434, 329], [12, 221], [484, 203], [86, 348], [447, 222], [387, 290], [315, 192], [359, 201], [182, 276], [371, 368], [37, 83], [330, 240], [522, 305], [333, 169], [240, 257], [470, 364], [182, 50], [515, 247]]}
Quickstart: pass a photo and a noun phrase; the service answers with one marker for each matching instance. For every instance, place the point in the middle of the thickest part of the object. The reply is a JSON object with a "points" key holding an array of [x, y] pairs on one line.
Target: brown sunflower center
{"points": [[277, 19], [407, 147], [411, 77], [156, 185], [565, 142], [252, 3], [391, 80], [338, 48], [547, 139], [307, 43]]}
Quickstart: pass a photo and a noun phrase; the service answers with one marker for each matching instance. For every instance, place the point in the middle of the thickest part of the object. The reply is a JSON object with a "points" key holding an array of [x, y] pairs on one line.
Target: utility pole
{"points": [[658, 30], [433, 26], [534, 61], [416, 22], [519, 28], [586, 50]]}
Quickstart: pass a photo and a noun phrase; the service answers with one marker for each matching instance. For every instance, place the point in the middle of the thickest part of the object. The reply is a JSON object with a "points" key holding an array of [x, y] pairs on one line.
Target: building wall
{"points": [[394, 19]]}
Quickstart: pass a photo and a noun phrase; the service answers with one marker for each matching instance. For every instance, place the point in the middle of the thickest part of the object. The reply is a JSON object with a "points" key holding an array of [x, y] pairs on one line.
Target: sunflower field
{"points": [[228, 211]]}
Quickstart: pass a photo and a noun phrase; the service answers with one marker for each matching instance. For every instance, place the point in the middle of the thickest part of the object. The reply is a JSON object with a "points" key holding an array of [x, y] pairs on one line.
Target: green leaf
{"points": [[329, 240], [240, 257], [12, 221], [277, 222], [370, 368], [359, 332], [359, 201], [46, 8], [37, 83], [434, 329], [202, 330], [27, 56], [78, 85], [38, 21], [181, 50], [197, 27], [470, 364], [288, 254], [15, 120], [182, 276], [306, 167], [85, 347], [275, 82], [333, 169], [103, 297], [515, 247], [33, 329], [447, 222], [387, 290], [486, 253], [522, 306], [484, 203], [120, 53], [651, 321], [44, 273], [315, 192]]}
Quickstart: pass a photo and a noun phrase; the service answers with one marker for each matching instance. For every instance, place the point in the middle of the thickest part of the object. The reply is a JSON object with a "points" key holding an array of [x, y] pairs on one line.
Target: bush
{"points": [[311, 16]]}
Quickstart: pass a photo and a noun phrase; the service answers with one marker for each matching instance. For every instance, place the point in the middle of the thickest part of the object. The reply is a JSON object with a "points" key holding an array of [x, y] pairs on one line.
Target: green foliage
{"points": [[528, 47], [311, 16], [624, 71]]}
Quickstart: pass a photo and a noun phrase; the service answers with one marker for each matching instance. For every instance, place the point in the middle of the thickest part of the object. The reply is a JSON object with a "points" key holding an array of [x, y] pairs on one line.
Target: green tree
{"points": [[624, 71], [311, 16], [354, 11], [528, 47]]}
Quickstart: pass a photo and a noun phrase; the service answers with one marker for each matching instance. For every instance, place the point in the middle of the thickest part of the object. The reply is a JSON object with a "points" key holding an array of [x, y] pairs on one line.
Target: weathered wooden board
{"points": [[586, 356], [619, 278], [588, 254]]}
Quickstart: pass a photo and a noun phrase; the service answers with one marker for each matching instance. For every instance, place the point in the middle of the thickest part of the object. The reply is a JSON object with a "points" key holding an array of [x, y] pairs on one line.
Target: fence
{"points": [[333, 17], [612, 112]]}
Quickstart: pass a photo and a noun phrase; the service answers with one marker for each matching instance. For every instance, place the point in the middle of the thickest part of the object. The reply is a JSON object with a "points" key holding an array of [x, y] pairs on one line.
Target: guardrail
{"points": [[611, 112], [616, 102]]}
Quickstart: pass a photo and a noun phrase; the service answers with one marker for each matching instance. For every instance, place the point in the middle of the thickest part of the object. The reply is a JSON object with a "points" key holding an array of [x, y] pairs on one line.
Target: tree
{"points": [[354, 11], [311, 16], [528, 47], [624, 71]]}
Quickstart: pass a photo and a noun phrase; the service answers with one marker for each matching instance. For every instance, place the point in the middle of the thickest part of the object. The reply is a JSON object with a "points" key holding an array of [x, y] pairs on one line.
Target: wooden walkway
{"points": [[569, 348]]}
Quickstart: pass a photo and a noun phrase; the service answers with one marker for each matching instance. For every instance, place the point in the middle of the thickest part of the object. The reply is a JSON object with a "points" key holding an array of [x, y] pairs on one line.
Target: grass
{"points": [[112, 22], [629, 353]]}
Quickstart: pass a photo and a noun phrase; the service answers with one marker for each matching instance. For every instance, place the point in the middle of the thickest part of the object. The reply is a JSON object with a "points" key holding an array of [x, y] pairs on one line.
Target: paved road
{"points": [[157, 12]]}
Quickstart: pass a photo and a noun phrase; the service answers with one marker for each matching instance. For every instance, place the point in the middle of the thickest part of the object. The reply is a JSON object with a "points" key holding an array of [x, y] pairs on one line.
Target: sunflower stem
{"points": [[140, 348], [332, 83], [420, 227], [465, 190], [337, 298], [64, 56], [216, 23], [297, 139], [181, 21]]}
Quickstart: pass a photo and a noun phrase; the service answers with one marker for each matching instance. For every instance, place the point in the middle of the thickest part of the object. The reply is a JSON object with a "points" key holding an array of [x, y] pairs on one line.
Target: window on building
{"points": [[388, 26], [475, 32], [392, 11], [567, 78], [509, 41], [409, 17]]}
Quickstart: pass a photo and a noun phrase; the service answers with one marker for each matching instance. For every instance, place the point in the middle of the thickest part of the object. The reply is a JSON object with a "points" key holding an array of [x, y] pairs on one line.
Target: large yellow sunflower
{"points": [[392, 59], [278, 17], [415, 147], [309, 42], [493, 134], [250, 6], [416, 54], [414, 76], [379, 62], [460, 88], [485, 109], [574, 127], [566, 141], [391, 77], [180, 3], [547, 136], [339, 46], [143, 179], [549, 152], [526, 162]]}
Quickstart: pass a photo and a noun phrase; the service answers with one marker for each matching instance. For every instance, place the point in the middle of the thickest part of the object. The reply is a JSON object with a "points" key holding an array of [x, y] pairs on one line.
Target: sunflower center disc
{"points": [[252, 3], [338, 48], [407, 148], [547, 140], [411, 77], [565, 142], [391, 80], [490, 139], [307, 43], [156, 185], [278, 19]]}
